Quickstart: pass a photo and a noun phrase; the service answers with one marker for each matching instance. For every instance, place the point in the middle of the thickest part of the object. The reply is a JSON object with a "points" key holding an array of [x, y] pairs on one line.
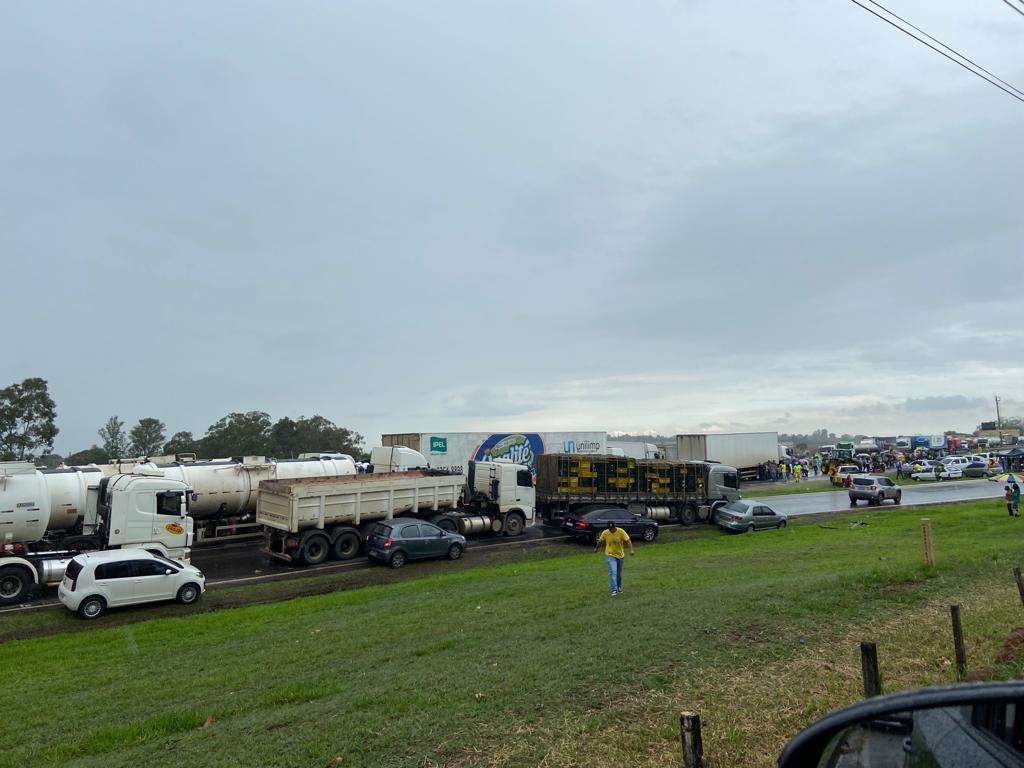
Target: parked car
{"points": [[401, 539], [874, 489], [976, 469], [922, 465], [950, 473], [748, 515], [960, 462], [588, 522], [96, 581], [844, 471]]}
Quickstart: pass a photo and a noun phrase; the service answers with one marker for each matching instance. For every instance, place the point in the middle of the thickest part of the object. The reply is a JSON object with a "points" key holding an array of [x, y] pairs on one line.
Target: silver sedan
{"points": [[748, 515]]}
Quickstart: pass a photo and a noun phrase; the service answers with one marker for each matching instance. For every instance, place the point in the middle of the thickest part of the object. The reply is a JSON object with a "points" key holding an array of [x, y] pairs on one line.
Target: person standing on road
{"points": [[899, 470], [1015, 499], [614, 538]]}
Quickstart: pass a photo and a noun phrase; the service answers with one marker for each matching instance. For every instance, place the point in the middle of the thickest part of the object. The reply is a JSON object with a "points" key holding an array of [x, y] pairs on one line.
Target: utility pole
{"points": [[999, 420]]}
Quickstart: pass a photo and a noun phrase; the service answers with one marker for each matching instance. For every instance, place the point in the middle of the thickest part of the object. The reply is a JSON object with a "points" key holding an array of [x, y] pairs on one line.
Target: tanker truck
{"points": [[308, 520], [48, 517]]}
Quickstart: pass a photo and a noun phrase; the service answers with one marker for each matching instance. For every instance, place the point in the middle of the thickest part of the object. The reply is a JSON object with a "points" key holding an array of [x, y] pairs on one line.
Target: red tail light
{"points": [[737, 518], [388, 542], [874, 487], [582, 525]]}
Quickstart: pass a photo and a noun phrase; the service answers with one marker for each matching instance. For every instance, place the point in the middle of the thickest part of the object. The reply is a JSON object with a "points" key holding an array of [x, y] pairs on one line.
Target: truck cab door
{"points": [[170, 523]]}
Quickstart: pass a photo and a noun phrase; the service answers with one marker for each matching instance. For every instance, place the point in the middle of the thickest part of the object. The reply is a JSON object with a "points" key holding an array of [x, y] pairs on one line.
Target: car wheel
{"points": [[315, 550], [853, 502], [514, 524], [899, 497], [92, 607], [782, 524], [650, 533], [188, 594], [15, 584], [750, 528], [454, 551], [397, 560]]}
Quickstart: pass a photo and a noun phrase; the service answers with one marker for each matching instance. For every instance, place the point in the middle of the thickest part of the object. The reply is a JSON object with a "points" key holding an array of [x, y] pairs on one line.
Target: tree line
{"points": [[28, 429]]}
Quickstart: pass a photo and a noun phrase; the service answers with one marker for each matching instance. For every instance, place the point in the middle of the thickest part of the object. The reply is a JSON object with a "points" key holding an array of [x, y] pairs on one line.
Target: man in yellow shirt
{"points": [[614, 553]]}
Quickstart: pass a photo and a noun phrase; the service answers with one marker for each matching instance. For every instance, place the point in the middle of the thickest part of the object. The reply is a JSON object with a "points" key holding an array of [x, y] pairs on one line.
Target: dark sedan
{"points": [[587, 523], [405, 538]]}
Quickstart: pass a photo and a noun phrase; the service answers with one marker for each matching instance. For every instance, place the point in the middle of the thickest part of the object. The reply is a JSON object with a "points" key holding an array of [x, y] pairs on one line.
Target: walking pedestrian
{"points": [[613, 539], [1008, 495], [1016, 500], [797, 471]]}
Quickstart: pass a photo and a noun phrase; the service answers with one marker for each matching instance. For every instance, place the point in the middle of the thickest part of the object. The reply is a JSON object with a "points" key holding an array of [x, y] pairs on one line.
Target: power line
{"points": [[1009, 90], [947, 47], [1017, 9]]}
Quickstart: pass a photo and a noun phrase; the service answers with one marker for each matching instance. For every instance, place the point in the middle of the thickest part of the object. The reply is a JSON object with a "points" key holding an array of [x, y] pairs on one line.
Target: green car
{"points": [[748, 515]]}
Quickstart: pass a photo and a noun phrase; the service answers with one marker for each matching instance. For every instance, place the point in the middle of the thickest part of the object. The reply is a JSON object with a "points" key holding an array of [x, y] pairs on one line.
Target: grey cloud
{"points": [[943, 403]]}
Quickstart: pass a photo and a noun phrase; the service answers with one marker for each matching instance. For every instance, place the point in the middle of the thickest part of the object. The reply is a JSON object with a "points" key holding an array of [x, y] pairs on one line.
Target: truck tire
{"points": [[188, 593], [346, 545], [446, 523], [687, 515], [15, 584], [314, 549], [92, 607], [514, 524], [397, 559]]}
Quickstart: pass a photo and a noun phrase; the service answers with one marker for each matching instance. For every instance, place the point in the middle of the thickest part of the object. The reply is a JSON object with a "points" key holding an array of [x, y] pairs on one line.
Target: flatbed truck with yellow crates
{"points": [[671, 491]]}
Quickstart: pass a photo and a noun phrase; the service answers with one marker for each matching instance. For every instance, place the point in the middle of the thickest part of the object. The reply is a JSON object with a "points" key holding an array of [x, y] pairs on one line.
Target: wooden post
{"points": [[869, 670], [926, 540], [958, 642], [689, 737], [1020, 583]]}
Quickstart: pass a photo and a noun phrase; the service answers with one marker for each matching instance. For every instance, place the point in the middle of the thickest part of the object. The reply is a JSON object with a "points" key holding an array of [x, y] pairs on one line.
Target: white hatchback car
{"points": [[95, 581]]}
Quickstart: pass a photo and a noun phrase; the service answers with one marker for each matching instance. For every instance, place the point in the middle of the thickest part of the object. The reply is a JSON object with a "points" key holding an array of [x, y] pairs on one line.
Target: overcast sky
{"points": [[413, 216]]}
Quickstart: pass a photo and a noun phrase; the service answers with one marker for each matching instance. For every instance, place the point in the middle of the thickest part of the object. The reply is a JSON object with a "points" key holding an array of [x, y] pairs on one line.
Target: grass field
{"points": [[528, 663]]}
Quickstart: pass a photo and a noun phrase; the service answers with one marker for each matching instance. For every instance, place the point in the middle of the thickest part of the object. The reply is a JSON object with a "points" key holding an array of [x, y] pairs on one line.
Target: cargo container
{"points": [[743, 450], [452, 451], [675, 491], [634, 449], [309, 520]]}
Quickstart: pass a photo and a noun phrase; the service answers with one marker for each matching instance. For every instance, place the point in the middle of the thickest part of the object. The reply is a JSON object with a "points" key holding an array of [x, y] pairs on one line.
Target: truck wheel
{"points": [[188, 594], [446, 523], [650, 533], [15, 584], [454, 551], [397, 560], [92, 607], [687, 515], [346, 546], [314, 550], [514, 524]]}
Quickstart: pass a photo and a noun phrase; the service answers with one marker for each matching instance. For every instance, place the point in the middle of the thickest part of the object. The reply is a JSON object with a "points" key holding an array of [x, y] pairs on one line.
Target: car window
{"points": [[430, 530], [122, 570], [168, 563], [862, 481], [597, 514], [74, 568], [885, 481], [410, 532], [381, 529], [149, 568], [735, 506]]}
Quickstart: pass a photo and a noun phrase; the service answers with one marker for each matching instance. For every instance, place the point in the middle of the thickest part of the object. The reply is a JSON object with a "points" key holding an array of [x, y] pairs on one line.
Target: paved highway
{"points": [[926, 492]]}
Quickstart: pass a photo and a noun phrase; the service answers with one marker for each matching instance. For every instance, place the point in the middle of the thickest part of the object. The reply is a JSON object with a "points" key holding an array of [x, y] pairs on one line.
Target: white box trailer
{"points": [[743, 450], [452, 451]]}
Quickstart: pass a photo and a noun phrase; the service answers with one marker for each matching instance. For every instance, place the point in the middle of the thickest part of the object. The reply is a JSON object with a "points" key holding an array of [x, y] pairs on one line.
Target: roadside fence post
{"points": [[926, 541], [958, 642], [869, 670], [1020, 583], [689, 737]]}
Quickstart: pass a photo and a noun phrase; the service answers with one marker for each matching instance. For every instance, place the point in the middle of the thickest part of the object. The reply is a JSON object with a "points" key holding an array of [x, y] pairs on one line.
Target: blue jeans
{"points": [[614, 572]]}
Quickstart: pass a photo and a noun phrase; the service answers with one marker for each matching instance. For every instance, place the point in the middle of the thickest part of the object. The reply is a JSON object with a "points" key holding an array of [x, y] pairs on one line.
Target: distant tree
{"points": [[147, 437], [181, 442], [115, 442], [27, 414], [289, 438], [91, 455], [238, 434], [50, 460]]}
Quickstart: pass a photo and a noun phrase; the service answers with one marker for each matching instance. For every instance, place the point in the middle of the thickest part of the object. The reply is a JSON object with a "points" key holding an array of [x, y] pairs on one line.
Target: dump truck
{"points": [[308, 521], [47, 517], [665, 490]]}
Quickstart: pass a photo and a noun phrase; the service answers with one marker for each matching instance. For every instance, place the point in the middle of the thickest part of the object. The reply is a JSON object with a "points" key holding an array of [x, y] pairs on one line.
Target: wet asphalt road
{"points": [[925, 492]]}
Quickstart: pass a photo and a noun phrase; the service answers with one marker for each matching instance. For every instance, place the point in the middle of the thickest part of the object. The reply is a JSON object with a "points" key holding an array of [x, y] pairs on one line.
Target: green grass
{"points": [[531, 662]]}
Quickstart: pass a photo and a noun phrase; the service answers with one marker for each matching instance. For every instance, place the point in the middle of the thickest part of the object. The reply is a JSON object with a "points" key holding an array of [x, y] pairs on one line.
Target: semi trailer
{"points": [[309, 520], [48, 517], [665, 490], [743, 450]]}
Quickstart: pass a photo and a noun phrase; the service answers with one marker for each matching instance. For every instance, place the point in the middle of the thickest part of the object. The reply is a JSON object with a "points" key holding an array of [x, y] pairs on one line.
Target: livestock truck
{"points": [[743, 450], [48, 517], [666, 490], [307, 521]]}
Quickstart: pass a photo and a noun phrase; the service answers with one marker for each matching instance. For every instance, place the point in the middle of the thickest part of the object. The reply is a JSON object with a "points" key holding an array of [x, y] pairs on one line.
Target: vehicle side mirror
{"points": [[440, 534], [972, 724], [168, 572]]}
